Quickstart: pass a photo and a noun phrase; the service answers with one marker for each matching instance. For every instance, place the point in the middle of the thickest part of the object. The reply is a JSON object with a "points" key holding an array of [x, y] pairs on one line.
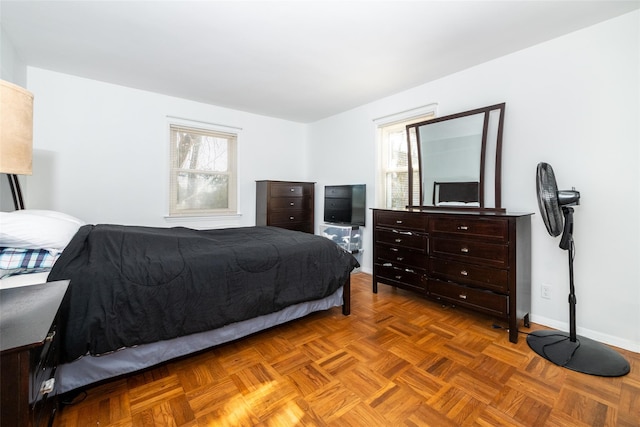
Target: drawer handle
{"points": [[398, 221], [398, 240], [50, 336], [464, 273], [405, 233], [291, 204], [394, 249], [463, 227], [387, 264], [408, 270], [400, 258], [398, 277], [48, 386], [292, 218], [292, 189], [464, 250], [462, 296]]}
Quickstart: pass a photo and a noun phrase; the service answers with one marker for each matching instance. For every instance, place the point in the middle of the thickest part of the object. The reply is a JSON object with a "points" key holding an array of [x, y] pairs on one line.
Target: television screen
{"points": [[345, 204]]}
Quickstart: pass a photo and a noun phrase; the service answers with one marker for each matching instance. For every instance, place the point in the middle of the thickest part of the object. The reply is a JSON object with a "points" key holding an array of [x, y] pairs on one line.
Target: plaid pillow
{"points": [[19, 261]]}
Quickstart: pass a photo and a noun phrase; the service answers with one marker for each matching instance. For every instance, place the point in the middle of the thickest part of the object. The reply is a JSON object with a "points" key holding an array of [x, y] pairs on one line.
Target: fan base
{"points": [[584, 355]]}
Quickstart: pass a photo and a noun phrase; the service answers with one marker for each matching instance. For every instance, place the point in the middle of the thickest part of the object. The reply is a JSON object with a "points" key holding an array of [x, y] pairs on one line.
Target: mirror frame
{"points": [[483, 155]]}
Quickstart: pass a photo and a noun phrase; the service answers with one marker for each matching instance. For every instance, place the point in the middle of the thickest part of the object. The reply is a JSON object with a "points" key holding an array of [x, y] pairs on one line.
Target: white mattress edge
{"points": [[23, 280]]}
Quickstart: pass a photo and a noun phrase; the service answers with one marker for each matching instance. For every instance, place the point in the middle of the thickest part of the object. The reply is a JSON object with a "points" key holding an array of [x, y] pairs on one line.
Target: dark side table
{"points": [[29, 343]]}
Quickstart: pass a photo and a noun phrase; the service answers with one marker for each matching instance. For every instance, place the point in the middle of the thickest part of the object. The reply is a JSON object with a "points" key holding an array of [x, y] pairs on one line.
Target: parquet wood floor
{"points": [[397, 360]]}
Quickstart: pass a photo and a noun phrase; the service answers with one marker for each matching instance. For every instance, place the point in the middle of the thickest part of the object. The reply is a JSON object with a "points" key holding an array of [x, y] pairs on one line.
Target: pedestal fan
{"points": [[567, 349]]}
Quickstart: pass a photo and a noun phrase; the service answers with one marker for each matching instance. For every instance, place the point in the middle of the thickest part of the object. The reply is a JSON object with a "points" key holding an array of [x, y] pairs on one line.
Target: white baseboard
{"points": [[588, 333], [563, 326]]}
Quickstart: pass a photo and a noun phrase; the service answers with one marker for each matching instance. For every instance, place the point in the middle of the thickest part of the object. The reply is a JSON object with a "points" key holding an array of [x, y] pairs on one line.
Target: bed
{"points": [[140, 296]]}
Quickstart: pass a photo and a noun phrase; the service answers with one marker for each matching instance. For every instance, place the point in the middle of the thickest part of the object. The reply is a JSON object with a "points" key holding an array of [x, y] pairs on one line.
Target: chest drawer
{"points": [[401, 220], [473, 251], [290, 189], [291, 203], [298, 226], [285, 217], [486, 277], [485, 301], [406, 239], [471, 228]]}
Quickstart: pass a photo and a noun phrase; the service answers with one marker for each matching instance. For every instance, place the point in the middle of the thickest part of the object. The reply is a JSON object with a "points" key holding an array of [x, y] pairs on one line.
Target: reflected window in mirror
{"points": [[394, 167], [455, 160]]}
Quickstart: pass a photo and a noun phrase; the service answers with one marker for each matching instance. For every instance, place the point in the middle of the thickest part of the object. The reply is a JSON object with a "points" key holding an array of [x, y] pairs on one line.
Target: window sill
{"points": [[200, 218]]}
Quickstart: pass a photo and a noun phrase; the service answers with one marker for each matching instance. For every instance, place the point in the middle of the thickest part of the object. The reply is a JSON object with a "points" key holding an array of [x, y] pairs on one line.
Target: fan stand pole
{"points": [[572, 297], [567, 349]]}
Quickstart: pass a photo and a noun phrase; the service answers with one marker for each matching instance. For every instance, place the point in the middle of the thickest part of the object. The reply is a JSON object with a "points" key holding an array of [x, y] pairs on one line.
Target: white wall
{"points": [[101, 151], [572, 102]]}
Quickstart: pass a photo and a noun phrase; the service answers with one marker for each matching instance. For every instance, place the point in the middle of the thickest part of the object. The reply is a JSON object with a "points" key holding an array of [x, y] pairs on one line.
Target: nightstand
{"points": [[29, 348]]}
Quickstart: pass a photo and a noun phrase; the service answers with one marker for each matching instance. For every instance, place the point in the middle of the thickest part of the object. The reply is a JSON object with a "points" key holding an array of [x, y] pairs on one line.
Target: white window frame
{"points": [[210, 129], [394, 123]]}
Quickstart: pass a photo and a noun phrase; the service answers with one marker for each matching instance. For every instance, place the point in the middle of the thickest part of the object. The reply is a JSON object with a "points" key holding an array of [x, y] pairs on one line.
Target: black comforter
{"points": [[135, 285]]}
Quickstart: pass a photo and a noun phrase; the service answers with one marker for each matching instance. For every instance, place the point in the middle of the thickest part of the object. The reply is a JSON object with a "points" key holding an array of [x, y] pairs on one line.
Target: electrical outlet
{"points": [[546, 291]]}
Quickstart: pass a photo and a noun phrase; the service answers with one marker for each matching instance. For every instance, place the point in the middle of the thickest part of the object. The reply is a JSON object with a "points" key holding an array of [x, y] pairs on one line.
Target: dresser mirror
{"points": [[456, 160]]}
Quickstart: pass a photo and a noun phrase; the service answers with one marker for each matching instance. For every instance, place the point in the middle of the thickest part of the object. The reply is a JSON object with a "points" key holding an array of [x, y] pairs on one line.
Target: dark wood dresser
{"points": [[477, 260], [285, 204], [29, 349]]}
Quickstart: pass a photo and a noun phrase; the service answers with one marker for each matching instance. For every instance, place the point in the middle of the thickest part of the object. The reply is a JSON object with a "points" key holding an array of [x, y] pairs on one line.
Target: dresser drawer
{"points": [[403, 256], [405, 239], [473, 228], [484, 301], [473, 251], [408, 278], [401, 220], [291, 203], [290, 189], [486, 277]]}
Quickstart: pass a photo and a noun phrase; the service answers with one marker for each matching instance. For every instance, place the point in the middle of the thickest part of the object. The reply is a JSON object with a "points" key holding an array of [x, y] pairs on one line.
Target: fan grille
{"points": [[547, 190]]}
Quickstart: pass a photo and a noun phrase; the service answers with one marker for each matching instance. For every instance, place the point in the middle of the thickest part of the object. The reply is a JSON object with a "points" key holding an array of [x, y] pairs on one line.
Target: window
{"points": [[203, 171], [394, 167]]}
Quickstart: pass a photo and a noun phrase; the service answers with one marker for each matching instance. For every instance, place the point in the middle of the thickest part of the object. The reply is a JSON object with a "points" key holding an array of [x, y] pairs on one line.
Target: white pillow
{"points": [[37, 229]]}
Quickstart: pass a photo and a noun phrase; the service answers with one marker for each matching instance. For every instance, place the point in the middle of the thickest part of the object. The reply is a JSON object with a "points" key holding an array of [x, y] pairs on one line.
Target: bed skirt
{"points": [[89, 370]]}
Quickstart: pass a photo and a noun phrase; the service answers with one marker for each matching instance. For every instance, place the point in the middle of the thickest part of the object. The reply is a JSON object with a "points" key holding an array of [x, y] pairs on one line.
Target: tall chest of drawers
{"points": [[285, 204], [481, 261]]}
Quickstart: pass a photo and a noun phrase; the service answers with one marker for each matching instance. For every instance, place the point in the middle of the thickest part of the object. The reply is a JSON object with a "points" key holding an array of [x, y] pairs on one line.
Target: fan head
{"points": [[547, 190], [551, 201]]}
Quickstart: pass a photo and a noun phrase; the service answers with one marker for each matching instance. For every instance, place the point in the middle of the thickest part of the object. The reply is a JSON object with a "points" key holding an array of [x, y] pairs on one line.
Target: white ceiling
{"points": [[296, 60]]}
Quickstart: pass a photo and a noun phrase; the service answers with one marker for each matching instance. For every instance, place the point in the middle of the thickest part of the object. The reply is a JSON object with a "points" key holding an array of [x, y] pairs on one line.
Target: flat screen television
{"points": [[345, 204]]}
